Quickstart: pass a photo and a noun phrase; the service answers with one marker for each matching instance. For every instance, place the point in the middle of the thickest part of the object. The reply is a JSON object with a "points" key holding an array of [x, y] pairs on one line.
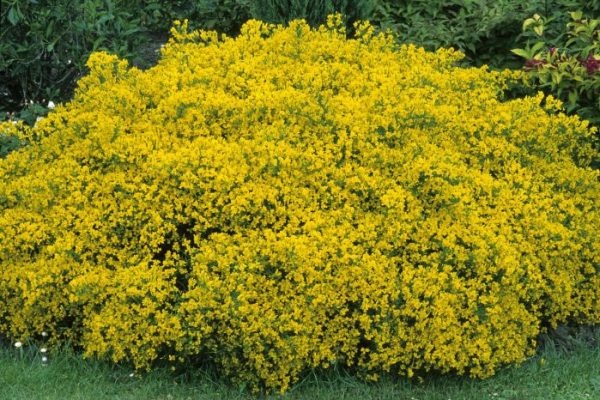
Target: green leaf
{"points": [[103, 19], [573, 98], [528, 23], [13, 16], [97, 43], [576, 15], [49, 28], [557, 78], [521, 53], [537, 47]]}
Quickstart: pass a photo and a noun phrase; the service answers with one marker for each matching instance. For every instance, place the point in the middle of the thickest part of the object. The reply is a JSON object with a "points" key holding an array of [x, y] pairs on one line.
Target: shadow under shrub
{"points": [[291, 199]]}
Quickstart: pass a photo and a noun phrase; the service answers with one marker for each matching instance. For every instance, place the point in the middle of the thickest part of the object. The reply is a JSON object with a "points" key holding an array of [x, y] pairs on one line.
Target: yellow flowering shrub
{"points": [[293, 199]]}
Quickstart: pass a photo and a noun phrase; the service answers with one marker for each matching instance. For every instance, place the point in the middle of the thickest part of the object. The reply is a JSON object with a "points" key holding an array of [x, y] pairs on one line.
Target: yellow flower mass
{"points": [[292, 199]]}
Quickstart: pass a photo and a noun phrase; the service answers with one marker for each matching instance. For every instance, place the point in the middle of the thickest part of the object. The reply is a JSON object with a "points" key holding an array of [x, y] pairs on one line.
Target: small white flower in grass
{"points": [[131, 375], [44, 359], [43, 350], [44, 334], [18, 345], [51, 104]]}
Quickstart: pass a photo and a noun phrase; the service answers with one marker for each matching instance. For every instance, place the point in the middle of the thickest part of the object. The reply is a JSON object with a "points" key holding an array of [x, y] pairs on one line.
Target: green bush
{"points": [[568, 66], [315, 12], [485, 30], [225, 16], [228, 16], [44, 44]]}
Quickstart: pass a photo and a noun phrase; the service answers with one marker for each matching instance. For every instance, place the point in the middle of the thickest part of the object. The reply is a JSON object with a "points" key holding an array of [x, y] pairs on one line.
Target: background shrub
{"points": [[315, 12], [568, 67], [225, 16], [291, 199], [44, 44], [485, 30], [228, 16]]}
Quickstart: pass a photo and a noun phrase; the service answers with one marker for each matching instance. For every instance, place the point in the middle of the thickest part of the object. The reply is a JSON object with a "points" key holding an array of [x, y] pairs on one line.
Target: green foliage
{"points": [[44, 44], [315, 12], [568, 66], [160, 14], [8, 144], [228, 16], [225, 16], [484, 29]]}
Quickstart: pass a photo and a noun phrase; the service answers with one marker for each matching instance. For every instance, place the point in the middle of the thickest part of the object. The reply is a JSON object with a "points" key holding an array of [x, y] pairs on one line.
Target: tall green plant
{"points": [[225, 16], [315, 12]]}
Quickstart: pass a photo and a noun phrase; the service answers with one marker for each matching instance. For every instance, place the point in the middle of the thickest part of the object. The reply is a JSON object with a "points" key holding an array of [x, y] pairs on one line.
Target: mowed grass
{"points": [[566, 367]]}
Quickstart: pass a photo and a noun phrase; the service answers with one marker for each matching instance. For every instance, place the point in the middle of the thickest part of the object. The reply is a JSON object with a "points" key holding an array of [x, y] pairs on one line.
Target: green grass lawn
{"points": [[566, 368]]}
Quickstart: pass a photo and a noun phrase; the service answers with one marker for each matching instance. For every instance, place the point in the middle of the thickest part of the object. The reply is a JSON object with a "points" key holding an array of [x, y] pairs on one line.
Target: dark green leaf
{"points": [[13, 16]]}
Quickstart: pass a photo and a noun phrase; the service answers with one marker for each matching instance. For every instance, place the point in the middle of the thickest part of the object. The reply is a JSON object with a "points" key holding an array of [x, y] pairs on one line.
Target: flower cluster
{"points": [[293, 199]]}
